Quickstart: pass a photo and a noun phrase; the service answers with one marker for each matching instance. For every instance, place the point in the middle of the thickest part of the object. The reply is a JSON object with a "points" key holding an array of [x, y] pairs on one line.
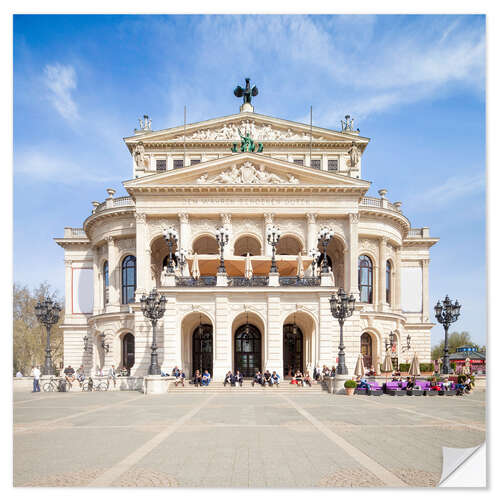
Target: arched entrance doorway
{"points": [[202, 349], [128, 350], [293, 348], [247, 350], [367, 350]]}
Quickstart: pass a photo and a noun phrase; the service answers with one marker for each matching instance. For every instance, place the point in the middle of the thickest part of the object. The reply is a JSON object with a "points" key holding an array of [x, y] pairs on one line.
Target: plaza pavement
{"points": [[263, 439]]}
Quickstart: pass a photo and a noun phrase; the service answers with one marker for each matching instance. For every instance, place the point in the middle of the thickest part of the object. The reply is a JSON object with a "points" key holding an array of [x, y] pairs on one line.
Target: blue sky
{"points": [[414, 84]]}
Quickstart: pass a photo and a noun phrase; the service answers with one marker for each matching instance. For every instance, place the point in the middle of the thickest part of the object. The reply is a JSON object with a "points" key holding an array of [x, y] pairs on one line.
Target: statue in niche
{"points": [[354, 155], [139, 155]]}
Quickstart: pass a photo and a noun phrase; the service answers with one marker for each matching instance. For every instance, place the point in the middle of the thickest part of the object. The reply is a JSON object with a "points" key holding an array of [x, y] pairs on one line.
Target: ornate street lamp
{"points": [[273, 237], [222, 235], [407, 347], [181, 259], [324, 238], [446, 314], [342, 307], [314, 253], [171, 237], [47, 313], [153, 308], [104, 344]]}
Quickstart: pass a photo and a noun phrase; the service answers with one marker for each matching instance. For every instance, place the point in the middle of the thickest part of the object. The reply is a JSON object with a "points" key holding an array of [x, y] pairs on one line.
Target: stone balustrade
{"points": [[74, 232]]}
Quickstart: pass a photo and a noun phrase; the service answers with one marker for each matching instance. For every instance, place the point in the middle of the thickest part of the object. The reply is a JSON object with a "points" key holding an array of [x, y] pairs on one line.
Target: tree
{"points": [[455, 340], [30, 336]]}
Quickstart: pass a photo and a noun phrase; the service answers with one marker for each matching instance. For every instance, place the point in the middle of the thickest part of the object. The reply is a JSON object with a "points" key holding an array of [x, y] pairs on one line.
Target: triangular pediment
{"points": [[245, 170], [261, 128]]}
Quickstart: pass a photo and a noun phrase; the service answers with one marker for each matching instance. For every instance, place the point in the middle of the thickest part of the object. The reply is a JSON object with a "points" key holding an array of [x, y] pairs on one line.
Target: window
{"points": [[161, 165], [388, 282], [316, 164], [178, 163], [333, 165], [365, 279], [128, 279], [105, 281], [195, 162], [298, 162]]}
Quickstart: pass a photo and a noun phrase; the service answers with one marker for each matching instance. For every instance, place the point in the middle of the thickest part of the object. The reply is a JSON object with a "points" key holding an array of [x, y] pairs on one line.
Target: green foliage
{"points": [[404, 367], [455, 340], [453, 365], [426, 367], [350, 384], [29, 337], [462, 378]]}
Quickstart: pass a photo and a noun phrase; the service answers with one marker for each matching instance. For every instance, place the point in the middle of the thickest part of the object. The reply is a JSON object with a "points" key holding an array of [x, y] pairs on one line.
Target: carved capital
{"points": [[269, 218], [111, 240], [68, 262], [425, 262], [354, 218], [311, 218], [140, 218], [225, 218], [183, 218]]}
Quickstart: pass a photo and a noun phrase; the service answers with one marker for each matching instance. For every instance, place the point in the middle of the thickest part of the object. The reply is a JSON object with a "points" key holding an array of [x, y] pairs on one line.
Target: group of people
{"points": [[266, 378], [301, 379], [325, 372], [233, 379]]}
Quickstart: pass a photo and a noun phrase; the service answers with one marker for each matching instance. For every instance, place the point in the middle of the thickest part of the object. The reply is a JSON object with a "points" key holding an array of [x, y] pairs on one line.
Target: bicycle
{"points": [[54, 384], [104, 386], [88, 385]]}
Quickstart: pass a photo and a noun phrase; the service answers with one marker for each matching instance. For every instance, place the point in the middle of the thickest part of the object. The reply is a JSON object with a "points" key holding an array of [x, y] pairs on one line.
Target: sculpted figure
{"points": [[202, 179], [354, 155], [139, 155], [292, 179]]}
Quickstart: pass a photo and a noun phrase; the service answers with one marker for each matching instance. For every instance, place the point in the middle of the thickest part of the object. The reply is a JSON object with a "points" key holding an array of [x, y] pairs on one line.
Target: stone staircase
{"points": [[218, 387]]}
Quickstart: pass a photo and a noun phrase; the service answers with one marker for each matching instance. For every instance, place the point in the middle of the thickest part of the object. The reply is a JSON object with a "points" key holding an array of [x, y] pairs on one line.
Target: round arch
{"points": [[289, 244], [335, 257], [205, 244], [370, 348], [159, 252], [197, 343], [247, 243]]}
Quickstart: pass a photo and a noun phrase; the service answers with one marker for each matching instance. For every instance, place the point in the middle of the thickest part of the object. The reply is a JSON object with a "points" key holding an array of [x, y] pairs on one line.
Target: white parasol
{"points": [[300, 267], [359, 371], [387, 365], [415, 367], [248, 267], [195, 268]]}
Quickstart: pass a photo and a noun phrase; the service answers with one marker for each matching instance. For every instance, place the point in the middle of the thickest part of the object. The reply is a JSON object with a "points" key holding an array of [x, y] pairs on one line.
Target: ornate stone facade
{"points": [[121, 248]]}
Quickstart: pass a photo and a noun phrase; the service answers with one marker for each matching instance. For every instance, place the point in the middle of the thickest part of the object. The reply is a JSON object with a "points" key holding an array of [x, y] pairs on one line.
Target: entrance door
{"points": [[247, 350], [366, 350], [203, 349], [128, 351], [292, 349]]}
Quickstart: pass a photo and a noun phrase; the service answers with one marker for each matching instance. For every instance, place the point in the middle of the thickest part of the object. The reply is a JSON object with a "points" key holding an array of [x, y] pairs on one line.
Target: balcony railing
{"points": [[74, 232], [418, 232], [122, 201], [296, 281], [253, 281], [370, 201], [201, 281]]}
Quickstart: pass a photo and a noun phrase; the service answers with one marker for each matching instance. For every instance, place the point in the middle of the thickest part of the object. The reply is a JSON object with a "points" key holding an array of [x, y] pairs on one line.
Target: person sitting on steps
{"points": [[205, 379], [179, 377], [69, 375], [257, 378], [298, 378], [275, 379], [229, 378], [197, 378], [307, 379], [238, 378], [267, 378]]}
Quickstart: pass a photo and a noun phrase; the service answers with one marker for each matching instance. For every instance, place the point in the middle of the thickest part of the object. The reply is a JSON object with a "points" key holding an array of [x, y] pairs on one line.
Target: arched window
{"points": [[365, 279], [105, 281], [128, 279], [388, 281]]}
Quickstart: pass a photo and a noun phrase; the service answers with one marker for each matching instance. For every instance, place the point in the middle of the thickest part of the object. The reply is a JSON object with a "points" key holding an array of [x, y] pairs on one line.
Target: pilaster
{"points": [[381, 272], [328, 333], [425, 290], [353, 250], [222, 338], [268, 223], [171, 351], [114, 276], [184, 231], [397, 281], [68, 270], [143, 266], [98, 302], [273, 352], [312, 231]]}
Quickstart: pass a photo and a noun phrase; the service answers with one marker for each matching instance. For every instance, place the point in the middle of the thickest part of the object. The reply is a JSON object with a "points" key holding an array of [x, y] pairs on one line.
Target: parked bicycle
{"points": [[103, 386], [55, 384], [88, 385]]}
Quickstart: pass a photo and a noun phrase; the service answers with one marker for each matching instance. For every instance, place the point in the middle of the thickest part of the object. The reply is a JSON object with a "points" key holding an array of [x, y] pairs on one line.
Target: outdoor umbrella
{"points": [[195, 268], [387, 365], [248, 267], [415, 366], [359, 371], [300, 267], [466, 370]]}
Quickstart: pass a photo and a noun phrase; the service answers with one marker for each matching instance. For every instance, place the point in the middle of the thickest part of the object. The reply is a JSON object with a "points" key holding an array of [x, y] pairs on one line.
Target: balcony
{"points": [[74, 232], [122, 201], [253, 281], [296, 281], [191, 282]]}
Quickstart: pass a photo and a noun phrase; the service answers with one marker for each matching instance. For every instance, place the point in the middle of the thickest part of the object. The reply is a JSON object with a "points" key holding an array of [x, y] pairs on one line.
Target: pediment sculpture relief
{"points": [[256, 131], [247, 174]]}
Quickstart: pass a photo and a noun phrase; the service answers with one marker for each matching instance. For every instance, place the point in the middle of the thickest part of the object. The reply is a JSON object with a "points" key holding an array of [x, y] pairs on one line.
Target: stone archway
{"points": [[247, 244], [197, 346], [206, 245], [289, 245]]}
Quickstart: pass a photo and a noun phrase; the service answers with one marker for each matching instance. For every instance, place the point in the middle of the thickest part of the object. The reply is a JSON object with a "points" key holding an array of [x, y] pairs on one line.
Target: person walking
{"points": [[36, 379]]}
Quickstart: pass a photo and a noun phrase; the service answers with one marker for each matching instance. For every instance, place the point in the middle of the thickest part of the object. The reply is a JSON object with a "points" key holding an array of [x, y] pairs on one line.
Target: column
{"points": [[98, 303], [329, 334], [353, 253], [169, 347], [222, 338], [184, 231], [397, 280], [273, 348], [225, 220], [141, 244], [268, 223], [68, 283], [425, 290], [114, 275], [381, 272], [312, 232], [324, 162]]}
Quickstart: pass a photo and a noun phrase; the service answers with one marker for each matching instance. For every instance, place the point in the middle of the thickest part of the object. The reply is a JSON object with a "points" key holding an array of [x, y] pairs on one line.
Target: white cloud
{"points": [[448, 191], [60, 81]]}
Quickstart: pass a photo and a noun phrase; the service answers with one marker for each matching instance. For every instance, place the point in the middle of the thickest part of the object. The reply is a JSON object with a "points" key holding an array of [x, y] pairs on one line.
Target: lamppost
{"points": [[172, 237], [446, 314], [47, 313], [389, 343], [314, 253], [222, 235], [153, 308], [324, 238], [181, 259], [342, 306], [273, 237], [86, 345]]}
